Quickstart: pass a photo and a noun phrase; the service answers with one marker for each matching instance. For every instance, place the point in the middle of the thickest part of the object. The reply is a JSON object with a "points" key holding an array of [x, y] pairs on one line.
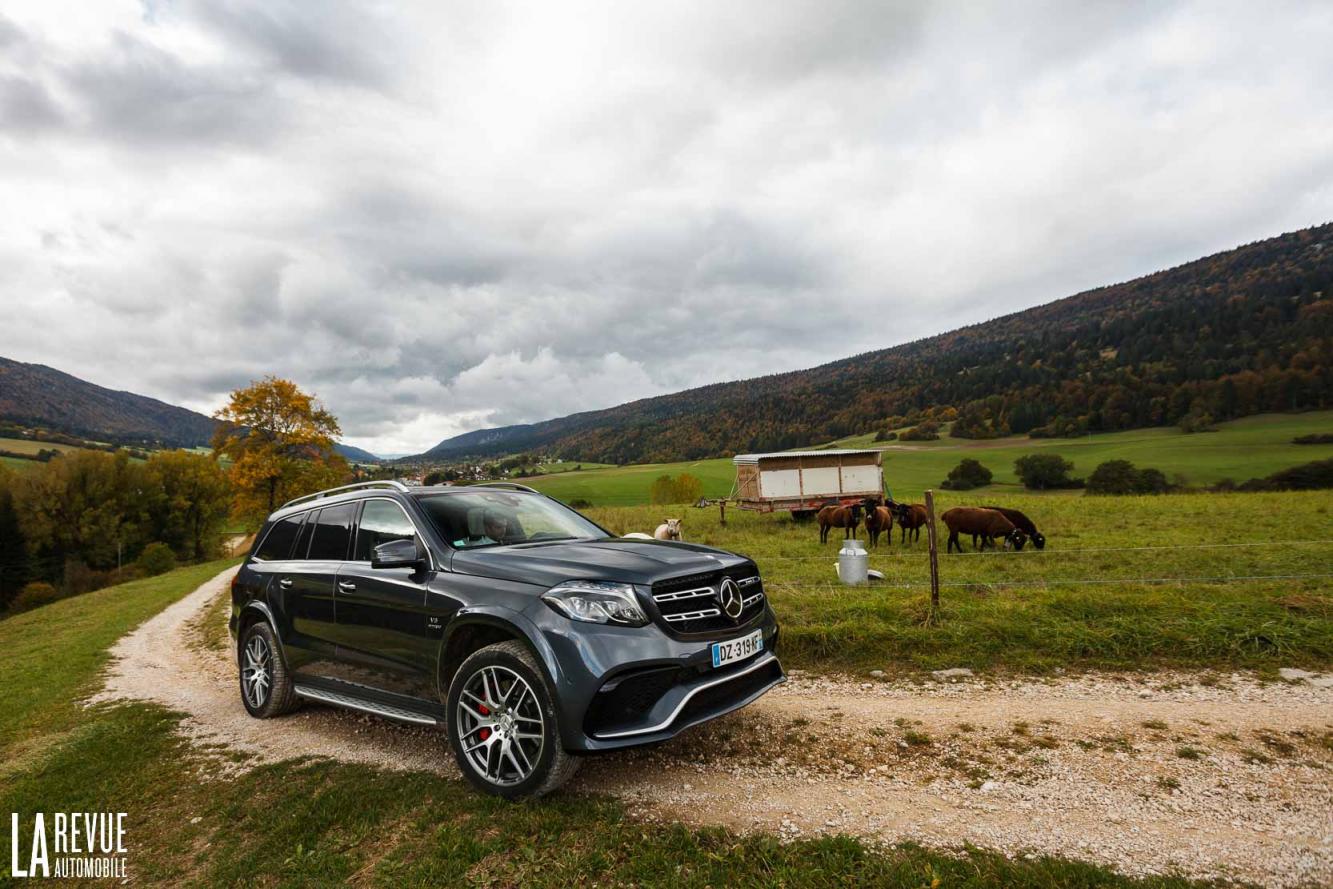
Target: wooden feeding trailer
{"points": [[804, 481]]}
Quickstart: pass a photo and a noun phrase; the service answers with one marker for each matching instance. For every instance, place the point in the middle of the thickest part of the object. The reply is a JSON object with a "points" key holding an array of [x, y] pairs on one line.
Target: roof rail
{"points": [[515, 485], [383, 483]]}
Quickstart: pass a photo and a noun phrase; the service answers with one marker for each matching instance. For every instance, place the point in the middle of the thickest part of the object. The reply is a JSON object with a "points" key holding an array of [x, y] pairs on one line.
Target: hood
{"points": [[612, 558]]}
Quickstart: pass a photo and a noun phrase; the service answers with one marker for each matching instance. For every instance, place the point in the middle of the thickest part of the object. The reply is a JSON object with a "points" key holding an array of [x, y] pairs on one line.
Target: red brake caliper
{"points": [[485, 711]]}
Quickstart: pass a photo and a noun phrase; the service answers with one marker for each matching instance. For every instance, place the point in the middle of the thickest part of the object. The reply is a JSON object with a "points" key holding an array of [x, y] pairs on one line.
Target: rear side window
{"points": [[278, 542], [381, 522], [333, 531], [303, 542]]}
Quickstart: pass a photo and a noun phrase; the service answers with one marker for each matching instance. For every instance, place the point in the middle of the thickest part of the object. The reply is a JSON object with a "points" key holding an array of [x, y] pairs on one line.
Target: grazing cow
{"points": [[912, 517], [668, 530], [986, 523], [878, 520], [835, 516], [1022, 523]]}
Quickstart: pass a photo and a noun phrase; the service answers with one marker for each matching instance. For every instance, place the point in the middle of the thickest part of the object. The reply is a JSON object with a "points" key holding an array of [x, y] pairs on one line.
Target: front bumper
{"points": [[622, 687]]}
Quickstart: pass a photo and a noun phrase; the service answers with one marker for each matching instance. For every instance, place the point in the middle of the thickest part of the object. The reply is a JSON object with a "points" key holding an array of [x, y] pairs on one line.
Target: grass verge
{"points": [[193, 818]]}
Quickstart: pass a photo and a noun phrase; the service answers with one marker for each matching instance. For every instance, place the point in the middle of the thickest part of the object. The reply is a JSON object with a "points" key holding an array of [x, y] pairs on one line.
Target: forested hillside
{"points": [[37, 395], [40, 396], [1233, 334]]}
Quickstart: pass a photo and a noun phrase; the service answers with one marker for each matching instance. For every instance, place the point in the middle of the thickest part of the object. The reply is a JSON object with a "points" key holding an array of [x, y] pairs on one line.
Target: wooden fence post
{"points": [[722, 511], [934, 555]]}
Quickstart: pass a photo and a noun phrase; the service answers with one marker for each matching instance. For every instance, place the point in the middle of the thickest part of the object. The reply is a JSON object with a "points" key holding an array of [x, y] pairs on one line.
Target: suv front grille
{"points": [[689, 605]]}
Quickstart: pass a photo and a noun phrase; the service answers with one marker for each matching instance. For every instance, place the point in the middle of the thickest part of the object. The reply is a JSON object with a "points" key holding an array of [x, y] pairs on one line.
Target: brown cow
{"points": [[835, 516], [878, 520], [912, 517], [987, 523]]}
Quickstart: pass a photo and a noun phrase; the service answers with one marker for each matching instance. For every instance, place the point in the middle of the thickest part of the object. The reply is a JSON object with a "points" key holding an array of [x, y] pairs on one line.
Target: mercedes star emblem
{"points": [[729, 597]]}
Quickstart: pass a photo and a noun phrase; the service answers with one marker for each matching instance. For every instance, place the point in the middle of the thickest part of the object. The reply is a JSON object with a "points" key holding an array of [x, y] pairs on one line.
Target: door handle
{"points": [[347, 586], [285, 583]]}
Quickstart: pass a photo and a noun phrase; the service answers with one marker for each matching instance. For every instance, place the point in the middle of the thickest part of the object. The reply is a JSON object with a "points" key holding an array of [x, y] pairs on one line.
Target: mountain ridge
{"points": [[1232, 333], [34, 394]]}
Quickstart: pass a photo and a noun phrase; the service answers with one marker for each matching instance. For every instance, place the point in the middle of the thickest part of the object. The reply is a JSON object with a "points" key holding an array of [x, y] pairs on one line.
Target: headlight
{"points": [[596, 602]]}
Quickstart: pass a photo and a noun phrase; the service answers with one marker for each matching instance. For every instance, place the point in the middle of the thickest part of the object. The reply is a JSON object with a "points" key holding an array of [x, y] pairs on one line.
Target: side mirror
{"points": [[397, 554]]}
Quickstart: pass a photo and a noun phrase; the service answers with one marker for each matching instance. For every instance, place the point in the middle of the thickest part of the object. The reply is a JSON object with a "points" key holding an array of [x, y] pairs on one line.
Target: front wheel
{"points": [[502, 724]]}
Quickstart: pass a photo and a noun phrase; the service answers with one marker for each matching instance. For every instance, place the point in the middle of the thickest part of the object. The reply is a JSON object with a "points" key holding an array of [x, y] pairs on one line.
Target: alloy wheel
{"points": [[500, 725], [257, 674]]}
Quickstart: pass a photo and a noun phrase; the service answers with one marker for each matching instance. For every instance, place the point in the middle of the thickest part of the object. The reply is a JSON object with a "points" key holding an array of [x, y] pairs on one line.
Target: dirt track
{"points": [[1230, 779]]}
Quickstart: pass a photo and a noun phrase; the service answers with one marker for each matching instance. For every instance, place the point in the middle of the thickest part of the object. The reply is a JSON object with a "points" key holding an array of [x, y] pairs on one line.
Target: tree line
{"points": [[88, 518], [1046, 472], [84, 518]]}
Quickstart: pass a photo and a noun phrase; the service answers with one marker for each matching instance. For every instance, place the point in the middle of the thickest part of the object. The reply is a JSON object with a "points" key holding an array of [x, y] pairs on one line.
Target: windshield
{"points": [[468, 520]]}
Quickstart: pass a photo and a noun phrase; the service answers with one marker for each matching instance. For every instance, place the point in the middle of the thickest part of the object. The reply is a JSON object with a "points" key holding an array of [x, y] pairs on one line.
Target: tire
{"points": [[494, 734], [259, 653]]}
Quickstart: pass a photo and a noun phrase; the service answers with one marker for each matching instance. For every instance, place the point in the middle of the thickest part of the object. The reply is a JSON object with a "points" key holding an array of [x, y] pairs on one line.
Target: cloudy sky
{"points": [[450, 216]]}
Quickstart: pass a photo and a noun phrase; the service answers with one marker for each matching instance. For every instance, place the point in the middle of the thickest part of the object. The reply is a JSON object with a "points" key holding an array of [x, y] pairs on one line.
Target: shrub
{"points": [[34, 595], [1153, 481], [1197, 421], [1306, 477], [967, 475], [684, 488], [79, 578], [1314, 438], [926, 430], [886, 435], [1112, 477], [1041, 472], [580, 503], [156, 558], [1121, 477]]}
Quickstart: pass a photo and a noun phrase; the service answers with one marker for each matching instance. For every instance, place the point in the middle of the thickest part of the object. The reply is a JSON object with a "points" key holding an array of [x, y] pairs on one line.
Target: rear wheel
{"points": [[266, 684], [502, 724]]}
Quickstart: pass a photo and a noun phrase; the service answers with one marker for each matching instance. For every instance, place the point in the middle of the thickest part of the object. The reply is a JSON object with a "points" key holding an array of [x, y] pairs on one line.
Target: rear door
{"points": [[385, 633], [308, 589]]}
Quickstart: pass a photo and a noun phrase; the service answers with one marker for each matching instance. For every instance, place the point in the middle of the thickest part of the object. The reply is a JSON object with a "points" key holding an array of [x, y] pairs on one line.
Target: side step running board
{"points": [[342, 700]]}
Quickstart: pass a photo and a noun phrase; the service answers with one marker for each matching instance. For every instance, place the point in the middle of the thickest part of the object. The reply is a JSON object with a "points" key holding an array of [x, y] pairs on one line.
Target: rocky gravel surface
{"points": [[1210, 776]]}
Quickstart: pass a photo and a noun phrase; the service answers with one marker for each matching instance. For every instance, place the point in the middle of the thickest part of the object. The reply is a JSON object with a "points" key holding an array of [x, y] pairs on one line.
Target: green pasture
{"points": [[1248, 448], [28, 446], [555, 468], [1191, 581]]}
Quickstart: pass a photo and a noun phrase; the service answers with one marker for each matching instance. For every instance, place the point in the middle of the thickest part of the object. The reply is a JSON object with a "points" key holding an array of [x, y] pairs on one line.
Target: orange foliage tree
{"points": [[279, 441]]}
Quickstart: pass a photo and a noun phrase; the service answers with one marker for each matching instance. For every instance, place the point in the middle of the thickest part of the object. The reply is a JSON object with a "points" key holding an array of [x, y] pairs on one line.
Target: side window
{"points": [[303, 541], [381, 521], [278, 542], [333, 531]]}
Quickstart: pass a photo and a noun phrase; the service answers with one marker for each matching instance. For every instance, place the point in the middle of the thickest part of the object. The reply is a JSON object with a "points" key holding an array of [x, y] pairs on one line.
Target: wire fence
{"points": [[1027, 553], [1050, 582]]}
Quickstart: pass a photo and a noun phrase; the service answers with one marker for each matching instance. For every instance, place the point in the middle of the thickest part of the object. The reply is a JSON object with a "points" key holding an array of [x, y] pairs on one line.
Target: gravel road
{"points": [[1208, 776]]}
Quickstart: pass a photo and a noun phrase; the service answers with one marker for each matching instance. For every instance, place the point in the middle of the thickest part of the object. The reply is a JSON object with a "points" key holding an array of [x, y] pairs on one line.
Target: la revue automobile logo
{"points": [[65, 845]]}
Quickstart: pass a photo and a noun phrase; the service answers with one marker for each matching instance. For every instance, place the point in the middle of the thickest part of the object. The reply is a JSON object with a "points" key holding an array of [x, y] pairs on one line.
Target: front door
{"points": [[386, 638]]}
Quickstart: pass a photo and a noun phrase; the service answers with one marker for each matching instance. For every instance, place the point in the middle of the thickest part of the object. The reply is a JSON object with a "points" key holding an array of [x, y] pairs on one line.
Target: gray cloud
{"points": [[442, 217]]}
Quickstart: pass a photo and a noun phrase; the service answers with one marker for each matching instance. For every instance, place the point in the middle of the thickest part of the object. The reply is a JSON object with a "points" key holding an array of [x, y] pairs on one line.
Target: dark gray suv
{"points": [[531, 633]]}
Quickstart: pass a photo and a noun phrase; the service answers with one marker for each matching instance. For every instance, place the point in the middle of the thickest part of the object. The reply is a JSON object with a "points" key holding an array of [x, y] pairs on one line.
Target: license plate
{"points": [[737, 649]]}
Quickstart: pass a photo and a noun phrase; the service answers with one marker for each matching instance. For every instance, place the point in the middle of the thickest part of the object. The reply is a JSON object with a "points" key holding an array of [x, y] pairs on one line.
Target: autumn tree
{"points": [[189, 498], [279, 441], [85, 505], [684, 488]]}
